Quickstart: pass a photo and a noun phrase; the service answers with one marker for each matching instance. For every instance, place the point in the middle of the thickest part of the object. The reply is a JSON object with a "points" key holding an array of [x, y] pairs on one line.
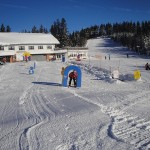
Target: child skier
{"points": [[73, 76]]}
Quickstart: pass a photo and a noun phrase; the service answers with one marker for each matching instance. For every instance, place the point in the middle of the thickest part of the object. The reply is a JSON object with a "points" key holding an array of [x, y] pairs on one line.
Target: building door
{"points": [[38, 57]]}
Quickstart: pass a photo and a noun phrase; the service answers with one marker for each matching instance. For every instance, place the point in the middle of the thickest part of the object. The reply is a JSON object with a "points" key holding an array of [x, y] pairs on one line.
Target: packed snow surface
{"points": [[37, 113]]}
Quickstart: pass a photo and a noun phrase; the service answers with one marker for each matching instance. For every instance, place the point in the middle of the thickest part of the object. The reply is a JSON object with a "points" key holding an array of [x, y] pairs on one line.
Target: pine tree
{"points": [[64, 38], [59, 30], [2, 29], [41, 30], [102, 30], [108, 29], [34, 29], [45, 30], [8, 29]]}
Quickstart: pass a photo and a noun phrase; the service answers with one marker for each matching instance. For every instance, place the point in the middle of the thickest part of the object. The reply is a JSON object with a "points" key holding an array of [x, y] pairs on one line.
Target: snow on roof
{"points": [[10, 38]]}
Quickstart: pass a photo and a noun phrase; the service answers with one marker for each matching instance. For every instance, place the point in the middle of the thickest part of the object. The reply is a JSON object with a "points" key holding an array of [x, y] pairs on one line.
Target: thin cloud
{"points": [[74, 4], [78, 4], [13, 6], [83, 5], [141, 11], [122, 9], [130, 10], [74, 1]]}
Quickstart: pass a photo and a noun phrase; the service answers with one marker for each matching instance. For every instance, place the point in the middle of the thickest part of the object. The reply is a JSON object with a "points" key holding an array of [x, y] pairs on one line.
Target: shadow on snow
{"points": [[47, 83]]}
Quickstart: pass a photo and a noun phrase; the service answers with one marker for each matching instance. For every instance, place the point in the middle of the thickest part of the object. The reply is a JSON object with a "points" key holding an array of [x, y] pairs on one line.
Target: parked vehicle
{"points": [[1, 63]]}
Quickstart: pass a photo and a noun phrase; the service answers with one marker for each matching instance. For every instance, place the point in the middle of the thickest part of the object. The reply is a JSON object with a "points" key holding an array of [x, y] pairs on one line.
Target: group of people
{"points": [[147, 66]]}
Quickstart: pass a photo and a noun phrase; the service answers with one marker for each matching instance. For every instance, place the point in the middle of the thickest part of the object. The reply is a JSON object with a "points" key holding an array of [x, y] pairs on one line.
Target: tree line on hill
{"points": [[134, 35], [5, 28]]}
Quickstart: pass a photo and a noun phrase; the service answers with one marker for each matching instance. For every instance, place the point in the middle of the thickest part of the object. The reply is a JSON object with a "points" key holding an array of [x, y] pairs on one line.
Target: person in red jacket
{"points": [[73, 76], [4, 60]]}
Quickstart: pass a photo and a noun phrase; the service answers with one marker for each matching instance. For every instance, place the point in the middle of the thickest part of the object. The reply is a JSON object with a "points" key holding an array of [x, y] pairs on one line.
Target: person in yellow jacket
{"points": [[137, 74], [62, 73]]}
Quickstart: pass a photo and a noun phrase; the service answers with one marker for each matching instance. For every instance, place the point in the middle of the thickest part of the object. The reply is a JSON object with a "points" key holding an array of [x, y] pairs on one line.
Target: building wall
{"points": [[69, 53], [39, 57], [19, 53], [6, 48], [72, 54]]}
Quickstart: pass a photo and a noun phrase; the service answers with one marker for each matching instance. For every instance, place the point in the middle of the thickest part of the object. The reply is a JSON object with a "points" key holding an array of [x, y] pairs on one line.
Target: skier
{"points": [[147, 67], [73, 76], [127, 55]]}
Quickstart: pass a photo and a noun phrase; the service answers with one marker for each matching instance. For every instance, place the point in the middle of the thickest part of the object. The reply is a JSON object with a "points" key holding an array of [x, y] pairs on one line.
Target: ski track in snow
{"points": [[124, 127], [26, 140], [38, 110], [36, 106], [9, 113], [8, 109]]}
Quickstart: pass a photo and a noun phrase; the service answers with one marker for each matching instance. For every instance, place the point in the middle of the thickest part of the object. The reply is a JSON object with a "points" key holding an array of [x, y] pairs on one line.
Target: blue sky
{"points": [[24, 14]]}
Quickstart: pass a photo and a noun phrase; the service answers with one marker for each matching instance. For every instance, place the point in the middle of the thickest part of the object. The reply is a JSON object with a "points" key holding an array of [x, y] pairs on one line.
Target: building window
{"points": [[58, 56], [1, 47], [49, 47], [71, 55], [21, 47], [11, 48], [40, 47], [31, 47]]}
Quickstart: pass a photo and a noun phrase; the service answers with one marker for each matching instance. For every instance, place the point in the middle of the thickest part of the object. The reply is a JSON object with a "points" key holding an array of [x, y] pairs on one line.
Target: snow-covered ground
{"points": [[37, 113]]}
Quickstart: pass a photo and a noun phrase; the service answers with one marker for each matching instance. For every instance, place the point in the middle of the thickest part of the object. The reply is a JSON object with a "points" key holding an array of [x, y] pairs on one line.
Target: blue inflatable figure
{"points": [[63, 58], [66, 72], [31, 70]]}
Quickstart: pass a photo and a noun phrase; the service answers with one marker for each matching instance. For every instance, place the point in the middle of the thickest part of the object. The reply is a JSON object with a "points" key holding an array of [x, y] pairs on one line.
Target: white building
{"points": [[75, 52], [41, 46]]}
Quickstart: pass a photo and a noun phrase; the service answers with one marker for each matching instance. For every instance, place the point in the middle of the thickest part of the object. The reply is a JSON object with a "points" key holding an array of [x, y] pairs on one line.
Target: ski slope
{"points": [[37, 113]]}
